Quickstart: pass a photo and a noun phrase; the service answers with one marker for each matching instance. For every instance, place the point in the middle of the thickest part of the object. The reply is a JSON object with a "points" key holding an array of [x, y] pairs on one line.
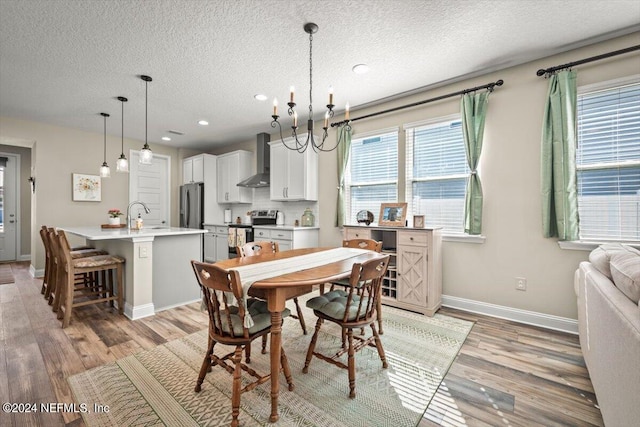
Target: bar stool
{"points": [[48, 280], [56, 273], [100, 289]]}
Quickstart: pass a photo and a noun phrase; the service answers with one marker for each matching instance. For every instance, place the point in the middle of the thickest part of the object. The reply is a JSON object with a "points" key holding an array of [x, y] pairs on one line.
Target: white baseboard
{"points": [[139, 311], [177, 305], [522, 316], [24, 257], [35, 273]]}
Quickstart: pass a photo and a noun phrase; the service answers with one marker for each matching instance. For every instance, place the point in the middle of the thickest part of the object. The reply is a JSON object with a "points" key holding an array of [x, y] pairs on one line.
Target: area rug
{"points": [[155, 387], [6, 275]]}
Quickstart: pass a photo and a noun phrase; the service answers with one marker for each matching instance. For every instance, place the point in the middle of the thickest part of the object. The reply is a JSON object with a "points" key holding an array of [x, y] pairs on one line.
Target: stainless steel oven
{"points": [[239, 234]]}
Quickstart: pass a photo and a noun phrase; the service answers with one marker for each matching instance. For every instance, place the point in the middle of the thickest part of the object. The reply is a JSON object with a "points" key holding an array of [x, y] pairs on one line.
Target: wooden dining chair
{"points": [[227, 327], [102, 288], [356, 310], [368, 244], [259, 247]]}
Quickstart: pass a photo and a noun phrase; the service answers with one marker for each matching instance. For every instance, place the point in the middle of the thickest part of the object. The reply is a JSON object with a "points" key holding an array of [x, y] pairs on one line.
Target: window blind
{"points": [[437, 173], [608, 164], [372, 174]]}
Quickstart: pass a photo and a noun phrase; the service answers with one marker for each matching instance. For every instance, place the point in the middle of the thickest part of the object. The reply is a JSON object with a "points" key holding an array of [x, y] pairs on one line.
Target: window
{"points": [[608, 163], [371, 177], [437, 173]]}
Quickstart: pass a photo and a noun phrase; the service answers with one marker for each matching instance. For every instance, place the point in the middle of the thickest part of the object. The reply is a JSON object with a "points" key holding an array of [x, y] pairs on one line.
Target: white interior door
{"points": [[150, 184], [9, 168]]}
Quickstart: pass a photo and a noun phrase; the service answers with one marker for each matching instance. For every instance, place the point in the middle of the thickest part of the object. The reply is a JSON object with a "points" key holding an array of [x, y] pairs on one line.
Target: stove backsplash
{"points": [[291, 210]]}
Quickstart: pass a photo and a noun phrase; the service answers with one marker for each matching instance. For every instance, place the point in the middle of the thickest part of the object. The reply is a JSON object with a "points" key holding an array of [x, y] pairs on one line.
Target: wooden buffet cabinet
{"points": [[414, 277]]}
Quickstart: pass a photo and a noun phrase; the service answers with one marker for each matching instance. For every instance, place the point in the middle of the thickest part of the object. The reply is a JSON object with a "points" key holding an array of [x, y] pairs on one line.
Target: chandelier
{"points": [[301, 146]]}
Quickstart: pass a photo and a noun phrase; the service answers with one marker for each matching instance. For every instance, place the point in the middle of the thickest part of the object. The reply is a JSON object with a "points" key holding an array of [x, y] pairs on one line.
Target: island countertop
{"points": [[98, 233]]}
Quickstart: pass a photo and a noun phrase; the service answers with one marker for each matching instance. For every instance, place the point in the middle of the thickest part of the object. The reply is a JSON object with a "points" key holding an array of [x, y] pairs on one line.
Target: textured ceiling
{"points": [[63, 62]]}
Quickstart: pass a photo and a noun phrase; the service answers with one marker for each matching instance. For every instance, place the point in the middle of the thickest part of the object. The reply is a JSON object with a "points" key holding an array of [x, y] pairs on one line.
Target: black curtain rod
{"points": [[542, 72], [489, 86]]}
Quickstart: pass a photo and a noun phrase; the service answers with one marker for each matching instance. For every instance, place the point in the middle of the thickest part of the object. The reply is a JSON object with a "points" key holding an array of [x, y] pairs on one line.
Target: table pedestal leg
{"points": [[276, 342]]}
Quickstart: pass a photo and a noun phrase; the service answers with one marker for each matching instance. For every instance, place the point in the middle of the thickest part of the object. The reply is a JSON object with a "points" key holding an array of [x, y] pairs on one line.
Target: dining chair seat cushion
{"points": [[83, 253], [97, 261], [259, 313], [334, 304]]}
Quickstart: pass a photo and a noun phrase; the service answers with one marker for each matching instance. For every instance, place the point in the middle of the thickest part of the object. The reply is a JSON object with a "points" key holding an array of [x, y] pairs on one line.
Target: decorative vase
{"points": [[114, 221], [307, 218]]}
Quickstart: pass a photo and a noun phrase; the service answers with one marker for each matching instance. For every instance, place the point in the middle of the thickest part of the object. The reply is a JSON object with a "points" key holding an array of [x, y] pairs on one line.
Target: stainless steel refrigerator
{"points": [[192, 205]]}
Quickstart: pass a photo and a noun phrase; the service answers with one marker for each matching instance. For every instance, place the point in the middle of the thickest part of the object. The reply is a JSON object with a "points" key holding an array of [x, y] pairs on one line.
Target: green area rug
{"points": [[155, 387]]}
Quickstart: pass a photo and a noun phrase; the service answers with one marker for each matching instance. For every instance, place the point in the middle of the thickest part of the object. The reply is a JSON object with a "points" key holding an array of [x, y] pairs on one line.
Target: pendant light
{"points": [[122, 164], [105, 172], [146, 155]]}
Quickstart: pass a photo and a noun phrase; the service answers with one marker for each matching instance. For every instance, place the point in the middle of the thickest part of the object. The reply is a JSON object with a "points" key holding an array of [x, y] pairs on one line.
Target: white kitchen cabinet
{"points": [[294, 176], [216, 247], [414, 278], [232, 168], [193, 168], [288, 237]]}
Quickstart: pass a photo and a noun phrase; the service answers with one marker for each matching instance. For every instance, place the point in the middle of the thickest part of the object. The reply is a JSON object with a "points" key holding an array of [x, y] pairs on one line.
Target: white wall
{"points": [[59, 152]]}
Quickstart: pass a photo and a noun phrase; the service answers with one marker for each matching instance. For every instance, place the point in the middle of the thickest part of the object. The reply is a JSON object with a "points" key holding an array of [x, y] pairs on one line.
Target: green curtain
{"points": [[473, 108], [344, 148], [558, 159]]}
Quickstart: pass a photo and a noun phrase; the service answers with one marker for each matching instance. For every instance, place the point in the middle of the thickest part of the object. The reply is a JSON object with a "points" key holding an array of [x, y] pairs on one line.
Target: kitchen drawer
{"points": [[260, 234], [412, 238], [281, 234], [222, 230], [357, 233]]}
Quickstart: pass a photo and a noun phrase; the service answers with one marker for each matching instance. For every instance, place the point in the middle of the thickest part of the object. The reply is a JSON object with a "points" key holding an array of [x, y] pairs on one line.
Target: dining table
{"points": [[303, 268]]}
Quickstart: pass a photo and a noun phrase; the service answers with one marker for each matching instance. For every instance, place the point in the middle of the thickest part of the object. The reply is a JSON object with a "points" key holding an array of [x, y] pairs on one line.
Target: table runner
{"points": [[266, 270]]}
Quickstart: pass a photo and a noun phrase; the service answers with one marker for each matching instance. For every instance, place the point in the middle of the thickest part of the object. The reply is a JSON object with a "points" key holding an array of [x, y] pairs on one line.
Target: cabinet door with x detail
{"points": [[412, 274]]}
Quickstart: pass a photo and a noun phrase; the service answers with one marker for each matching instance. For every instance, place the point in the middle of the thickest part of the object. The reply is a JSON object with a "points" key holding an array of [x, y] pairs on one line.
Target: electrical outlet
{"points": [[143, 252], [521, 284]]}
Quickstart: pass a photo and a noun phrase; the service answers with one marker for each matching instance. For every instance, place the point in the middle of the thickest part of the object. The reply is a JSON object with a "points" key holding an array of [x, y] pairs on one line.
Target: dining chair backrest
{"points": [[369, 244], [256, 248], [364, 289], [222, 292]]}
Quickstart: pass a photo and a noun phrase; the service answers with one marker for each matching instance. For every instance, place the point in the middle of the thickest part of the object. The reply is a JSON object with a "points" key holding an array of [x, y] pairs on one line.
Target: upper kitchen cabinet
{"points": [[232, 168], [193, 168], [294, 176]]}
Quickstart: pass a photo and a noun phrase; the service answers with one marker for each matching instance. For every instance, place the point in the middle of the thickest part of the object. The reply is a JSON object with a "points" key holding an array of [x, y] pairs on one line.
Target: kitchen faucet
{"points": [[135, 202]]}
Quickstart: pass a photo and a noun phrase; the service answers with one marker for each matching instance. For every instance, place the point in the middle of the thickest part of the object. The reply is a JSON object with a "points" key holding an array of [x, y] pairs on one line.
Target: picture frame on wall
{"points": [[86, 188], [393, 214], [418, 221]]}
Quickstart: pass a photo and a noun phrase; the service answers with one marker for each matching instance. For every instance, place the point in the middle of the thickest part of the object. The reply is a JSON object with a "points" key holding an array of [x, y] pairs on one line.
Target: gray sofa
{"points": [[608, 290]]}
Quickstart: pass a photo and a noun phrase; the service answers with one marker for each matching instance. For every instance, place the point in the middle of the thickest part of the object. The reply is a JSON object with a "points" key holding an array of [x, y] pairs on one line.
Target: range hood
{"points": [[261, 179]]}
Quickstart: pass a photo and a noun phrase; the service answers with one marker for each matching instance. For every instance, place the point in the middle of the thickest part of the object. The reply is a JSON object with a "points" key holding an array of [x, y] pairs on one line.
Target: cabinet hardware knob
{"points": [[410, 238]]}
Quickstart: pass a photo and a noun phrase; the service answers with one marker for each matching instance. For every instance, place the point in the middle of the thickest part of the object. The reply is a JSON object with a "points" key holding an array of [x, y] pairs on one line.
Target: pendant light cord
{"points": [[105, 139], [146, 111], [122, 130]]}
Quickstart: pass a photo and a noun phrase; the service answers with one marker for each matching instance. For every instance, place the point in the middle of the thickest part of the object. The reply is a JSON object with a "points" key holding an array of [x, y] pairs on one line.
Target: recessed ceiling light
{"points": [[360, 68], [203, 123], [166, 138], [260, 97]]}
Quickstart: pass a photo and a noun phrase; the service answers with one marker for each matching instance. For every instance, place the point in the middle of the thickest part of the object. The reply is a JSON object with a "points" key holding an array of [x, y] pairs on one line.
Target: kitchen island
{"points": [[158, 273]]}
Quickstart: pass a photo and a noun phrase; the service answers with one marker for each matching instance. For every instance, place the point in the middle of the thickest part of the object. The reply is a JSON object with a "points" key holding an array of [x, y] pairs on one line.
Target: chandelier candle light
{"points": [[309, 28], [146, 155], [105, 172], [122, 164]]}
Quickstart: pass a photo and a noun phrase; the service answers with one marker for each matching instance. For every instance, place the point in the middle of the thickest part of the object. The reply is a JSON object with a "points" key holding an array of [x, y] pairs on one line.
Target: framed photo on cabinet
{"points": [[418, 221], [393, 214]]}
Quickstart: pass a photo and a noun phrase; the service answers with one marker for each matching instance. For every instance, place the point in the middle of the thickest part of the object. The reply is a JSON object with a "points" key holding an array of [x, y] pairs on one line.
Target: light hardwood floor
{"points": [[507, 374]]}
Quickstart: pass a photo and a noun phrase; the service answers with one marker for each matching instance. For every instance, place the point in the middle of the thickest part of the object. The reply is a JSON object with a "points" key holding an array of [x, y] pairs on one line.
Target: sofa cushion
{"points": [[600, 257], [625, 270]]}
